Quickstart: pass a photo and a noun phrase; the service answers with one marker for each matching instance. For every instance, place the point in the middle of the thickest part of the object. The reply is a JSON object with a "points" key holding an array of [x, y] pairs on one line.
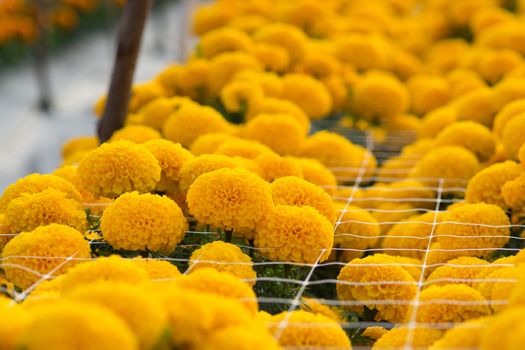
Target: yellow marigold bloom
{"points": [[494, 64], [190, 81], [295, 234], [35, 183], [507, 91], [13, 322], [209, 313], [405, 64], [291, 190], [512, 192], [486, 185], [374, 333], [273, 57], [281, 132], [299, 329], [221, 283], [225, 66], [119, 167], [364, 51], [338, 89], [339, 154], [455, 165], [249, 23], [317, 307], [377, 278], [50, 206], [157, 269], [358, 230], [191, 121], [79, 144], [289, 37], [512, 135], [230, 199], [224, 257], [144, 316], [394, 96], [143, 222], [68, 324], [202, 164], [412, 192], [403, 122], [270, 83], [272, 167], [155, 113], [463, 270], [319, 65], [509, 321], [475, 229], [450, 303], [239, 95], [415, 338], [486, 18], [389, 213], [241, 337], [225, 39], [506, 114], [477, 106], [136, 133], [171, 157], [461, 81], [473, 136], [437, 256], [41, 251], [315, 172], [427, 93], [243, 148], [466, 335], [270, 105], [210, 17], [5, 232], [500, 286], [113, 268], [309, 94], [410, 237], [209, 143], [141, 94]]}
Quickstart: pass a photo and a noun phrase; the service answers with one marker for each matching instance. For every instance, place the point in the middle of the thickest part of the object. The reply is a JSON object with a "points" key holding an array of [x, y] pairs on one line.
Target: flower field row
{"points": [[232, 212]]}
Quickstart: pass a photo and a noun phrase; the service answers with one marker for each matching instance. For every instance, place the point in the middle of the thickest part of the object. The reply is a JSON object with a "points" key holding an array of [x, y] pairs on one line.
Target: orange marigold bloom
{"points": [[136, 133], [470, 135], [243, 148], [315, 172], [309, 94], [272, 167], [202, 164]]}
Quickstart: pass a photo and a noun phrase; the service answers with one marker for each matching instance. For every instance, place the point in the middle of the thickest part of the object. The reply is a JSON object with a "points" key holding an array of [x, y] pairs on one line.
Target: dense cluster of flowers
{"points": [[223, 191]]}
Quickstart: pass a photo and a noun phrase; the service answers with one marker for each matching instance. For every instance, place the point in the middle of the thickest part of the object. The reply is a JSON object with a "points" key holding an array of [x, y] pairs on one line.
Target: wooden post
{"points": [[41, 56], [128, 46]]}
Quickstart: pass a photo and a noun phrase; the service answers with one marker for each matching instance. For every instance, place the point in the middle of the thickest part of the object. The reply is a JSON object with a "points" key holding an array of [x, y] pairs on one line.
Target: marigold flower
{"points": [[486, 186], [501, 285], [141, 94], [281, 132], [113, 268], [461, 81], [157, 269], [119, 167], [225, 257], [79, 144], [144, 316], [243, 148], [506, 114], [241, 337], [225, 66], [210, 17], [475, 229], [507, 91], [221, 40], [272, 167], [512, 135], [143, 222], [295, 234], [427, 92], [273, 57], [463, 270], [13, 322], [230, 199], [315, 172], [171, 157], [248, 22], [289, 37], [69, 324], [477, 106], [450, 303], [319, 65], [377, 278], [38, 252], [239, 95], [509, 321], [309, 94], [209, 143], [454, 165], [209, 313], [291, 190], [35, 183], [357, 230], [191, 121], [317, 307], [473, 136], [50, 206], [389, 213], [5, 232], [419, 338], [394, 96], [221, 283], [512, 192], [202, 164], [364, 51], [298, 329], [374, 332], [270, 105], [466, 335], [270, 83], [135, 133], [155, 113]]}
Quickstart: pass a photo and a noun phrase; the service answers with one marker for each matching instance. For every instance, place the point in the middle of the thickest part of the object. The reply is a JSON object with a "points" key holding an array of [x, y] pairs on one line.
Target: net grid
{"points": [[382, 152]]}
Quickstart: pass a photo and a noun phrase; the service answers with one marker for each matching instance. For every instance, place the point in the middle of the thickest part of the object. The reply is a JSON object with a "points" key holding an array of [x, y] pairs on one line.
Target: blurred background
{"points": [[56, 58]]}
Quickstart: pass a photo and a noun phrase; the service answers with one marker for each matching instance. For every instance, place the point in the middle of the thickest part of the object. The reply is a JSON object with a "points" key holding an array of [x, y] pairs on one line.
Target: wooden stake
{"points": [[128, 46], [41, 56]]}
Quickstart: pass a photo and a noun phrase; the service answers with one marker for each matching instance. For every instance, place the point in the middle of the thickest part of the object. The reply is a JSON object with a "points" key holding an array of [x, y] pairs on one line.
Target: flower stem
{"points": [[228, 236]]}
